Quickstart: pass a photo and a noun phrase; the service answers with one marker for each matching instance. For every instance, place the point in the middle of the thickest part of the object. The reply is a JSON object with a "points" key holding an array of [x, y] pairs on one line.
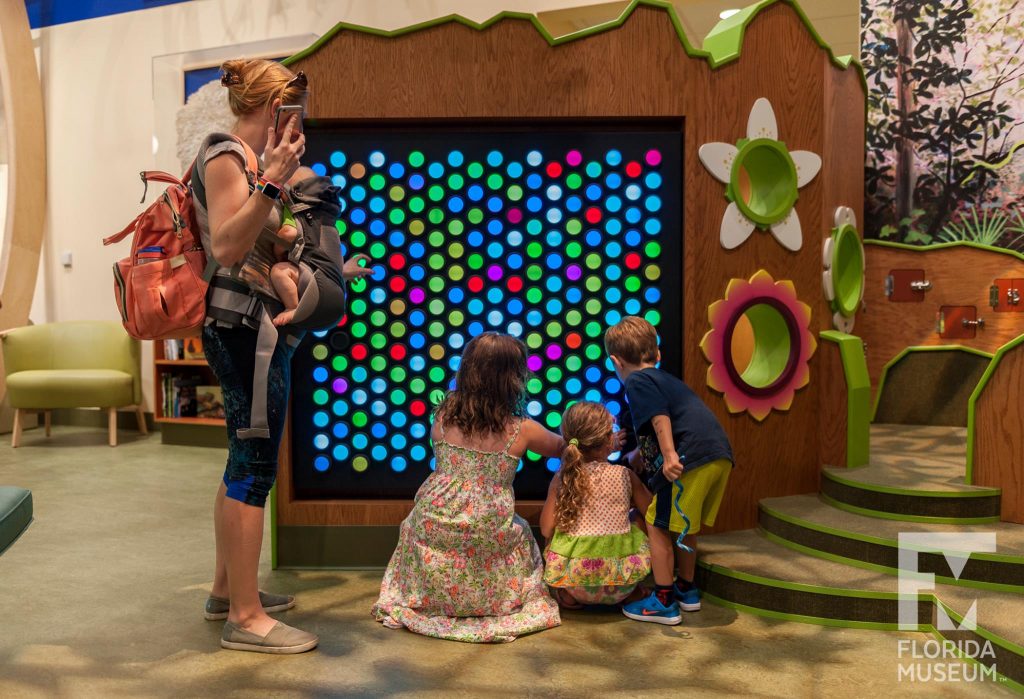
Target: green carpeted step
{"points": [[747, 571], [15, 514], [816, 528]]}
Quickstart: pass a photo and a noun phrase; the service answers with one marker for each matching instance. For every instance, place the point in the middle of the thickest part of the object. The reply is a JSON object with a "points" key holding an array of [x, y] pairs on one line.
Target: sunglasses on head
{"points": [[299, 81]]}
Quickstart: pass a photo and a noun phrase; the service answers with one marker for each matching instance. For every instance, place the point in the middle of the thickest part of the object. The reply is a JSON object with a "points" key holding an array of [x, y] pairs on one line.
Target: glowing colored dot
{"points": [[494, 273], [652, 272], [321, 463], [554, 169], [418, 408], [652, 180], [633, 284], [514, 193], [652, 317], [652, 203], [553, 419], [593, 215], [455, 158], [534, 158], [416, 158], [397, 284], [633, 169], [360, 464], [455, 181]]}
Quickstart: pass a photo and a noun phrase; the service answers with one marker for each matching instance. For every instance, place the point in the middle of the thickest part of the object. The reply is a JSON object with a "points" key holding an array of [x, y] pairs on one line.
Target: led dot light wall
{"points": [[547, 234]]}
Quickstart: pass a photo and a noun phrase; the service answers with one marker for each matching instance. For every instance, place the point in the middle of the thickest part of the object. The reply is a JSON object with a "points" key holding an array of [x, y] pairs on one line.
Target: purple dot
{"points": [[416, 295], [494, 273], [554, 352], [574, 158], [653, 157], [340, 385], [534, 363], [514, 216], [574, 272]]}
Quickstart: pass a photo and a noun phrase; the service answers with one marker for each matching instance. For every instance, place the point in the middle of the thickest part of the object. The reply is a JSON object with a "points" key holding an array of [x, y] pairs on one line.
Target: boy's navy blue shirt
{"points": [[696, 432]]}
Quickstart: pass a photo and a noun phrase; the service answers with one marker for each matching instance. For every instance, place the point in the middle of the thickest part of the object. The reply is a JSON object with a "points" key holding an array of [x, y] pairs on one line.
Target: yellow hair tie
{"points": [[574, 442]]}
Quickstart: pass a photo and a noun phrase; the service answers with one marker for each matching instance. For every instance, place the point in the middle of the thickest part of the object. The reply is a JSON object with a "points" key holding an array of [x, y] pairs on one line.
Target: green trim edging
{"points": [[868, 539], [922, 348], [801, 618], [722, 45], [906, 518], [973, 401], [858, 396], [978, 493], [1003, 680], [943, 246], [795, 586]]}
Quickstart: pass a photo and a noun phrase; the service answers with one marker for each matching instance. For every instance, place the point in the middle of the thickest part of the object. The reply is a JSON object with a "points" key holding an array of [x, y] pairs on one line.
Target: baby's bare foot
{"points": [[283, 318]]}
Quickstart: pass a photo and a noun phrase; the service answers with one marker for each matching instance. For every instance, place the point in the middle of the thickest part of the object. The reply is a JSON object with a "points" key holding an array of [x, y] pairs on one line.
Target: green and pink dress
{"points": [[603, 558]]}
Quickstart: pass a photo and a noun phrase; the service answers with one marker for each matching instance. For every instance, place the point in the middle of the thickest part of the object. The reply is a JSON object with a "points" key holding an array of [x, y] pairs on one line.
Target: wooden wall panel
{"points": [[999, 435], [832, 416], [960, 276], [639, 70]]}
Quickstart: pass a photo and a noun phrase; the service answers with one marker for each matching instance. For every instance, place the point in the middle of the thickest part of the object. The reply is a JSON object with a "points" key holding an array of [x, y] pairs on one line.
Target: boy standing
{"points": [[672, 423]]}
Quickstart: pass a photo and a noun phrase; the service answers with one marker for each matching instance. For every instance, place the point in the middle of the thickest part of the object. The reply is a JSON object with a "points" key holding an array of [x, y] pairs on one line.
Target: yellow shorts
{"points": [[703, 489]]}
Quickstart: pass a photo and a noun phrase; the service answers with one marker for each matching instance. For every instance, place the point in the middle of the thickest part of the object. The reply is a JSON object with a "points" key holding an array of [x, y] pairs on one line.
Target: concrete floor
{"points": [[102, 597]]}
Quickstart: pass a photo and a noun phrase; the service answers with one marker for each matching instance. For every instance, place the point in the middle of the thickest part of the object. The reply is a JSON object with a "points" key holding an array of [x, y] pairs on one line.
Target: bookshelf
{"points": [[175, 377]]}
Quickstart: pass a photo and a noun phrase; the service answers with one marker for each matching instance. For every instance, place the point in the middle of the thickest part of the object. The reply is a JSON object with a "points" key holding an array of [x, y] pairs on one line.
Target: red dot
{"points": [[593, 215], [554, 169], [633, 169], [417, 408], [573, 340], [398, 352], [633, 260], [476, 284], [515, 284], [359, 352], [343, 321], [397, 284], [397, 261]]}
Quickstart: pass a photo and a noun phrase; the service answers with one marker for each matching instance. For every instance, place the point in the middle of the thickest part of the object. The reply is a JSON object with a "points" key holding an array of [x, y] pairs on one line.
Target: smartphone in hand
{"points": [[284, 113]]}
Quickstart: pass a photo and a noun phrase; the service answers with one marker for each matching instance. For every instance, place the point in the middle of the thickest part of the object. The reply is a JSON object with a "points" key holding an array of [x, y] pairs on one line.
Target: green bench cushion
{"points": [[69, 388], [15, 513]]}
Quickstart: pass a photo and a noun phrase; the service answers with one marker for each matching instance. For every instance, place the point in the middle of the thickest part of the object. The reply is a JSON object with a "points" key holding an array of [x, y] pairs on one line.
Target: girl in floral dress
{"points": [[594, 554], [467, 567]]}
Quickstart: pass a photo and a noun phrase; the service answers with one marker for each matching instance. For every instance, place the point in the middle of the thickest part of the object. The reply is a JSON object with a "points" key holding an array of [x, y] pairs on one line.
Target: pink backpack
{"points": [[160, 287]]}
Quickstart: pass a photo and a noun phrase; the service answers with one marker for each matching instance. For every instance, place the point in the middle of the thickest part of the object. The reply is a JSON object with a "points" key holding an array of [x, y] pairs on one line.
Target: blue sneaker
{"points": [[689, 601], [650, 609]]}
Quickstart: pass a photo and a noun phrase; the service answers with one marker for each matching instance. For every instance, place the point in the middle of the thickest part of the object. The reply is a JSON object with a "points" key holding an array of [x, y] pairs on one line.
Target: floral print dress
{"points": [[467, 568]]}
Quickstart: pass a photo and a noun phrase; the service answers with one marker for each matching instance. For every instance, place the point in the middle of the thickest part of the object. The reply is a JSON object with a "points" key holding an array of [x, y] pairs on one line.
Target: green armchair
{"points": [[76, 364]]}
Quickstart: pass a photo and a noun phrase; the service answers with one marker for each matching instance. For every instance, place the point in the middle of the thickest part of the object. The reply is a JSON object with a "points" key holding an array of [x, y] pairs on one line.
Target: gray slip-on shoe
{"points": [[217, 607], [282, 640]]}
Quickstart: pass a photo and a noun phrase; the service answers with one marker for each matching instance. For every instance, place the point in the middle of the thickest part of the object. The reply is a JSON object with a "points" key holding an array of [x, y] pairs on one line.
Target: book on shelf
{"points": [[174, 349], [209, 401], [180, 395]]}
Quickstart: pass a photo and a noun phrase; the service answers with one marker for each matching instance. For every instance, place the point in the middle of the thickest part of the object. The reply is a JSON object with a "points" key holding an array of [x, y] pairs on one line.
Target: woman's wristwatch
{"points": [[271, 190]]}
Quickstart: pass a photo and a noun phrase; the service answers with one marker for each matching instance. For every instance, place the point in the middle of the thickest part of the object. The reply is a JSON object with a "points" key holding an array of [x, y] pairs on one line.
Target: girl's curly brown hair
{"points": [[490, 386], [586, 427]]}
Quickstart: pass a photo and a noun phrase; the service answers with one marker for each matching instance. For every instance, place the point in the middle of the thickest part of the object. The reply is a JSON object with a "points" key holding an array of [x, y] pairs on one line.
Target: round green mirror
{"points": [[847, 270], [763, 183]]}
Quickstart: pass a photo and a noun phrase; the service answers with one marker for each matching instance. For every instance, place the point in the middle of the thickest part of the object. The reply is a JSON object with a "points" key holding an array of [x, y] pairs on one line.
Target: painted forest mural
{"points": [[945, 135]]}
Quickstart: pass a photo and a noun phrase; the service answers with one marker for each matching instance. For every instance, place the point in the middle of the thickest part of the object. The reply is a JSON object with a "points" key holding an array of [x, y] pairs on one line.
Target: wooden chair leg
{"points": [[112, 425], [46, 420], [16, 434], [141, 417]]}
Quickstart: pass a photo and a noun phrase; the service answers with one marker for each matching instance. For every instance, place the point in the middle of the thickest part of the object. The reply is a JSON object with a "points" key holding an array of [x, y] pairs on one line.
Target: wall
{"points": [[98, 80]]}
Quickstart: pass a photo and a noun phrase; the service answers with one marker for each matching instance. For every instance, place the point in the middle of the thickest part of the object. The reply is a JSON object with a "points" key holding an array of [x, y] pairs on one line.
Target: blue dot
{"points": [[416, 181], [340, 452], [613, 204], [612, 317], [377, 205], [612, 181], [633, 238], [534, 318], [613, 294], [379, 407], [379, 453], [514, 170], [633, 192], [514, 238], [534, 408], [593, 238], [632, 307], [494, 204], [359, 441], [633, 215], [593, 395], [573, 295], [519, 466], [455, 295], [475, 328], [417, 340], [553, 284], [475, 192], [359, 396], [494, 226], [554, 192], [475, 239], [357, 217], [320, 418], [378, 297], [398, 464], [554, 261], [653, 180], [357, 193], [573, 386], [613, 407], [378, 430], [613, 157], [376, 158], [554, 306], [515, 329], [454, 362], [455, 204], [593, 192], [515, 261], [613, 226], [337, 158], [396, 239], [552, 465], [455, 158], [418, 453], [652, 295], [534, 181], [320, 374], [574, 203], [433, 463], [417, 318], [359, 374], [321, 441], [613, 272], [475, 307], [534, 204], [554, 215], [398, 419], [652, 203], [593, 374], [417, 362], [321, 463], [495, 318], [554, 238], [340, 430], [652, 226], [396, 170], [398, 441], [612, 386], [377, 227], [455, 340], [319, 169], [613, 250], [494, 158], [534, 158], [436, 170], [338, 181], [417, 250], [378, 385], [515, 307], [495, 295], [339, 408]]}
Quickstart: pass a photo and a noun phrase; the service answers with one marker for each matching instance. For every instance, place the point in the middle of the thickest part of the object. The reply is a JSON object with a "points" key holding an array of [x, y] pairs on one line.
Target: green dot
{"points": [[360, 464], [358, 285], [436, 329], [456, 273], [573, 317], [339, 363], [573, 181], [398, 374], [358, 307], [456, 318], [633, 284], [534, 385], [594, 261], [534, 295], [495, 181], [358, 329], [378, 363], [593, 329], [455, 181], [593, 169], [417, 385], [534, 340], [397, 329], [455, 250], [436, 284], [378, 318], [534, 249], [340, 226], [455, 227], [397, 216], [436, 261], [397, 397], [476, 261], [378, 341], [359, 419], [320, 396], [652, 272], [475, 216], [320, 352], [377, 182], [436, 375], [377, 250], [553, 329], [436, 396], [553, 419], [573, 226], [652, 249], [573, 250], [534, 226], [534, 273], [435, 215], [573, 363], [652, 317], [436, 238], [554, 374], [436, 307], [416, 205], [396, 193], [474, 170], [415, 158], [593, 307], [435, 193], [593, 284], [358, 239], [515, 193], [593, 352]]}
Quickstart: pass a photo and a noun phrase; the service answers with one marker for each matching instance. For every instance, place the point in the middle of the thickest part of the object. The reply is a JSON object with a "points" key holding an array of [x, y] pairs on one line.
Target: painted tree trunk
{"points": [[905, 106]]}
